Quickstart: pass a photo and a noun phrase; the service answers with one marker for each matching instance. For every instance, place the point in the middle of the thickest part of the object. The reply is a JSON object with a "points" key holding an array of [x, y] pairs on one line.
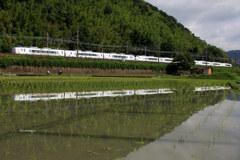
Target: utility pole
{"points": [[235, 59], [210, 58], [102, 47], [206, 56], [77, 43], [145, 51], [36, 42], [102, 50], [159, 49], [127, 48], [47, 39]]}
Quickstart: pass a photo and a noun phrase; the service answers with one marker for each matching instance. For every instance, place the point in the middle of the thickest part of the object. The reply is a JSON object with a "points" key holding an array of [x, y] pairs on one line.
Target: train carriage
{"points": [[147, 58], [90, 54], [166, 60], [119, 57], [204, 63], [70, 53], [217, 64]]}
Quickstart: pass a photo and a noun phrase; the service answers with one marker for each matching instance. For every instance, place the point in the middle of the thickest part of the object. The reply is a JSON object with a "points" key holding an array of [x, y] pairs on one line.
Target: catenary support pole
{"points": [[47, 39], [77, 43]]}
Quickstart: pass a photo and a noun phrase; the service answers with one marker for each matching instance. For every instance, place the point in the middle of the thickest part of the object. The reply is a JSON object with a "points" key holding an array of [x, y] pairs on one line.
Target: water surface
{"points": [[121, 124]]}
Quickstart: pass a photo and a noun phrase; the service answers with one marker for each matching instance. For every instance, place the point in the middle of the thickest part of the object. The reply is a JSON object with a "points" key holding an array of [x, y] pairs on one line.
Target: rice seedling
{"points": [[137, 116], [141, 142], [181, 140]]}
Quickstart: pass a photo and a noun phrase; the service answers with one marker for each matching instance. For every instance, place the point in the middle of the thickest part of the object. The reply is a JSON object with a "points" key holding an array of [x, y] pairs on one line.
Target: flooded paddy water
{"points": [[121, 124]]}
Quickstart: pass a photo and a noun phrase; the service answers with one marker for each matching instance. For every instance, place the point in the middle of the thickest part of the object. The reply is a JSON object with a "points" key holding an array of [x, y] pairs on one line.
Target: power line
{"points": [[74, 39]]}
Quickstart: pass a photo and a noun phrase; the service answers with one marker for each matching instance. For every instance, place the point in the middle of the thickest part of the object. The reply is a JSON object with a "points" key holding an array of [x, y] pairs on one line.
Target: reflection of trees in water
{"points": [[118, 122]]}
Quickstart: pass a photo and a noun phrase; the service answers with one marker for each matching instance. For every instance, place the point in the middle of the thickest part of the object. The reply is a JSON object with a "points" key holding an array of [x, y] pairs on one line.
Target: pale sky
{"points": [[215, 21]]}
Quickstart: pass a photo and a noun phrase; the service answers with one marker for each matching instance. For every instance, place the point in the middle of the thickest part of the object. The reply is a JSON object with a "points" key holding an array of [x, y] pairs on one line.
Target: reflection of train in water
{"points": [[98, 55], [93, 94]]}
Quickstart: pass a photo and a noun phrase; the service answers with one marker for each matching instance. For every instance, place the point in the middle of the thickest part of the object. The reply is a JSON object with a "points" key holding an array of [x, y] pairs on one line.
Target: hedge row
{"points": [[9, 61], [226, 69], [224, 75]]}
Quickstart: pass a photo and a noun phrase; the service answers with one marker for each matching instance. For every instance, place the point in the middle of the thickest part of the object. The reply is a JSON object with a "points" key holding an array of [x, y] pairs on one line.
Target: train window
{"points": [[152, 58], [120, 56]]}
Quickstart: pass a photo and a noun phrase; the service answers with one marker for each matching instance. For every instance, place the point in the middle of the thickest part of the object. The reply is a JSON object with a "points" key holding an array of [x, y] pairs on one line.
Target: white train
{"points": [[97, 55]]}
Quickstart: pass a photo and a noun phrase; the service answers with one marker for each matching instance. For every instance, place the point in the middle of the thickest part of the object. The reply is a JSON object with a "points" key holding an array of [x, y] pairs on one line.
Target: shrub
{"points": [[63, 62], [224, 75]]}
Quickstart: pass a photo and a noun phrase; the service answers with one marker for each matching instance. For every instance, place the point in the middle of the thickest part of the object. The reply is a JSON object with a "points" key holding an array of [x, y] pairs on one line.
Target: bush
{"points": [[171, 68], [76, 63]]}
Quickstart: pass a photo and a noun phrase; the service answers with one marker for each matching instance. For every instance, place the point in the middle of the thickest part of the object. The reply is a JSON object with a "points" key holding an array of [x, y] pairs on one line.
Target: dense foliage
{"points": [[184, 61], [222, 76], [25, 61], [112, 22], [225, 69]]}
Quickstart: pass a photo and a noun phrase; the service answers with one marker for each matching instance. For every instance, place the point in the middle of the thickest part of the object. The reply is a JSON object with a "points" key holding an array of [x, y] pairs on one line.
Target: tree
{"points": [[184, 61]]}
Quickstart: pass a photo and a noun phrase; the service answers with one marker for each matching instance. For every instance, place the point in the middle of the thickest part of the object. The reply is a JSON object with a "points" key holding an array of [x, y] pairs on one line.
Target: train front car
{"points": [[21, 50], [227, 65], [16, 50]]}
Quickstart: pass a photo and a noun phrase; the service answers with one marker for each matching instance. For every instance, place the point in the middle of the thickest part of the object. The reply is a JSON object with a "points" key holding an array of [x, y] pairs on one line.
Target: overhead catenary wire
{"points": [[152, 49], [72, 40]]}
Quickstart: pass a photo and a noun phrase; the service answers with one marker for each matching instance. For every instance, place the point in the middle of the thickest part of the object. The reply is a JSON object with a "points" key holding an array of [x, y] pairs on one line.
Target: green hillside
{"points": [[109, 22]]}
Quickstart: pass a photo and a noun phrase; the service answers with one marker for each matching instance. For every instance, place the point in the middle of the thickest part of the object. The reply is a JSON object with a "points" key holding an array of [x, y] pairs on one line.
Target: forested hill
{"points": [[108, 22], [234, 53]]}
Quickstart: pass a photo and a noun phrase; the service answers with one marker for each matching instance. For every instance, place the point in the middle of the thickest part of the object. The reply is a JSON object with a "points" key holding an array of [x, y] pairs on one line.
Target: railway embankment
{"points": [[53, 70]]}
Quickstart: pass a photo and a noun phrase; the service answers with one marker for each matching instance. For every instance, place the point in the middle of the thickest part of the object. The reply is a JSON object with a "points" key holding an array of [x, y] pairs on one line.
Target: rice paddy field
{"points": [[118, 118], [85, 83]]}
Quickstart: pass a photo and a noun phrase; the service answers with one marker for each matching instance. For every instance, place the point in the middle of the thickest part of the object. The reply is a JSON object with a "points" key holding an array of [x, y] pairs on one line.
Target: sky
{"points": [[215, 21]]}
